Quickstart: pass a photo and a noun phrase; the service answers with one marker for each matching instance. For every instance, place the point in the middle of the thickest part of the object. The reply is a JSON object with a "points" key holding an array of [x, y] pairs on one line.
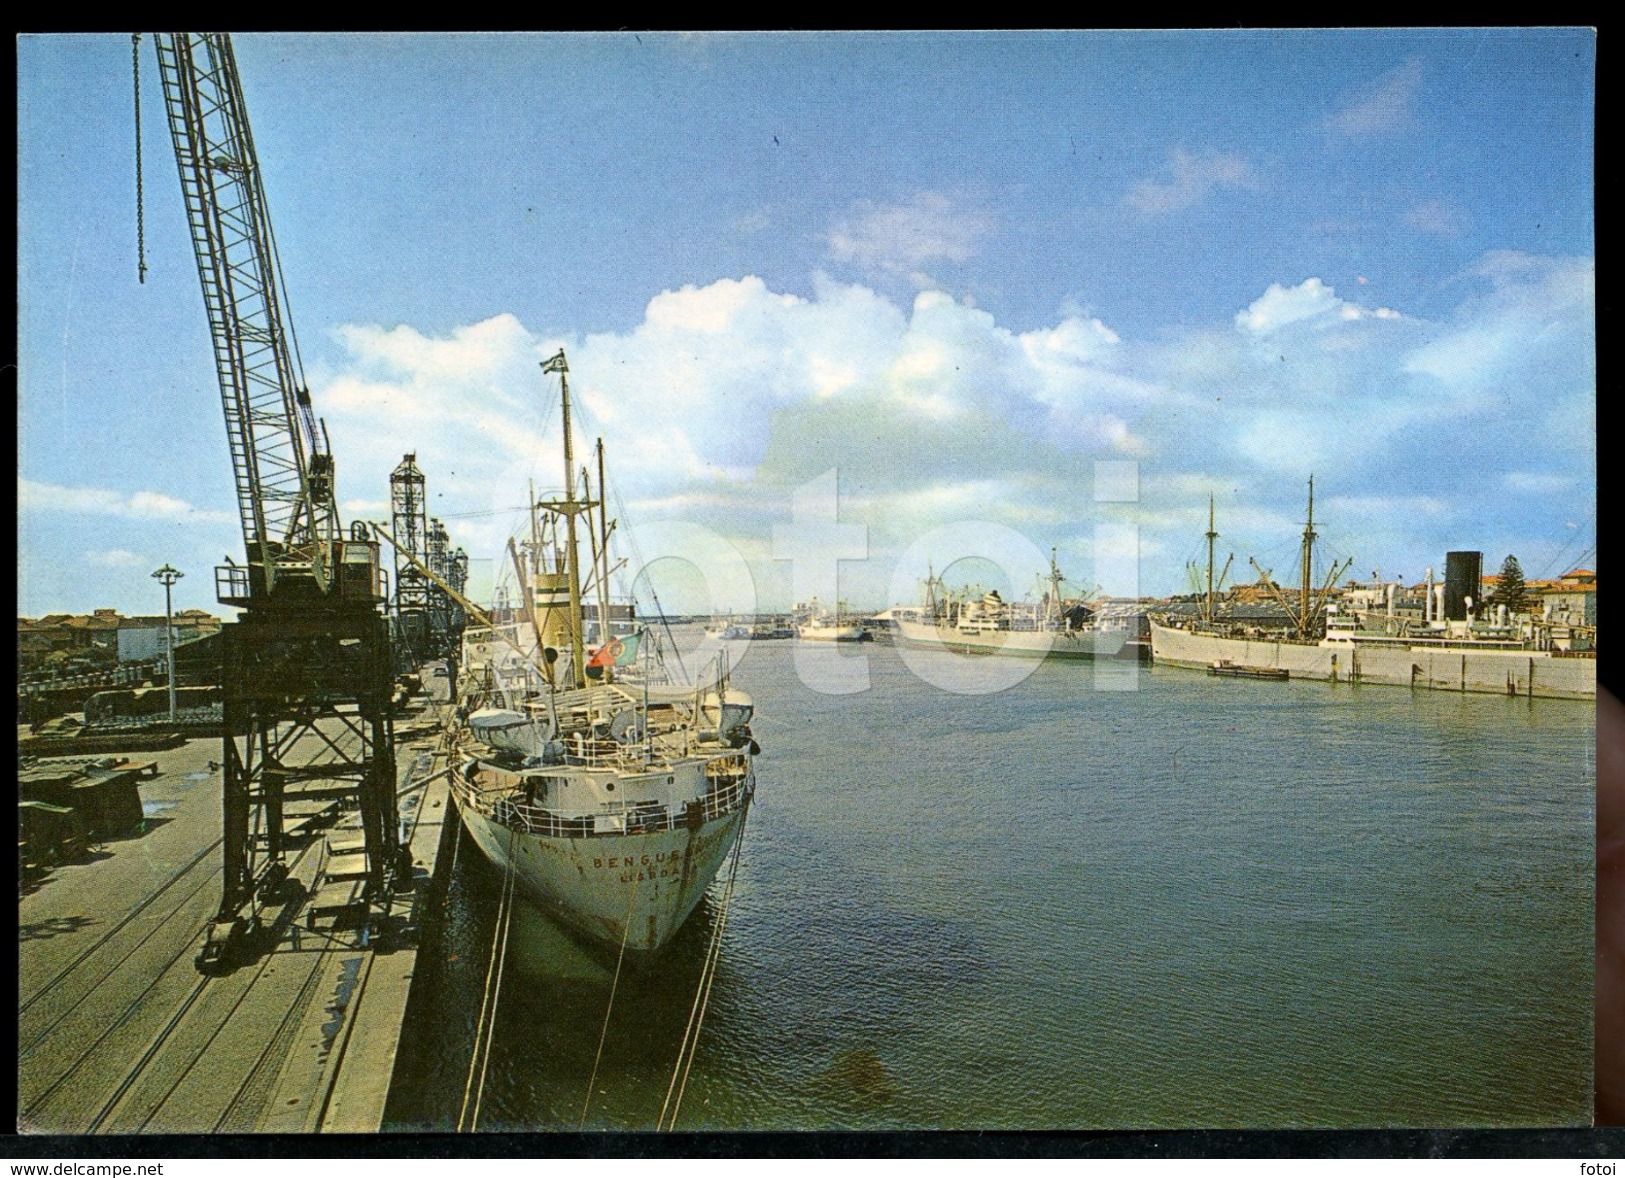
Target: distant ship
{"points": [[987, 624], [613, 796], [1315, 641], [728, 630], [816, 625]]}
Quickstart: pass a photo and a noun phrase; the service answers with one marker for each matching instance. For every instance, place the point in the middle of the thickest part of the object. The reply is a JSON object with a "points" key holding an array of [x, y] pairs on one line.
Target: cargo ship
{"points": [[1494, 655], [609, 792], [1054, 627]]}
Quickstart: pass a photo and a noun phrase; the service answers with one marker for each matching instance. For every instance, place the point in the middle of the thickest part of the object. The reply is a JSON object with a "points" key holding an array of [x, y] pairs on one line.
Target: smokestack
{"points": [[1427, 599], [1462, 573]]}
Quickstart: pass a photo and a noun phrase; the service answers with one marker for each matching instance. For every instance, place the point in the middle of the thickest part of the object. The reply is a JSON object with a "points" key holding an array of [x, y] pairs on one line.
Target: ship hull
{"points": [[636, 887], [832, 634], [1535, 674], [1036, 644]]}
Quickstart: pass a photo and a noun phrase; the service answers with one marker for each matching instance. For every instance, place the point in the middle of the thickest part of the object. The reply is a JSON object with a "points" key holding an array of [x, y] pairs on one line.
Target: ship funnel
{"points": [[551, 594], [1463, 574]]}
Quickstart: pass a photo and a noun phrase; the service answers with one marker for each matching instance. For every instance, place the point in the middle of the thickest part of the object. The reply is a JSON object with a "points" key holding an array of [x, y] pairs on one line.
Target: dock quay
{"points": [[119, 1032]]}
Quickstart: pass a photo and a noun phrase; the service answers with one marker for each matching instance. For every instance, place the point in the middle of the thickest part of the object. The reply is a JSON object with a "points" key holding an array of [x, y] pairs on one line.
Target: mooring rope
{"points": [[483, 1031], [702, 994], [604, 1032], [496, 996], [450, 751]]}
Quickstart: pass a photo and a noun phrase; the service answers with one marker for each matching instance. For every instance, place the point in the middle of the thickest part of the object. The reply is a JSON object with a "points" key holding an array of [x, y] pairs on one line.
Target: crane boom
{"points": [[284, 472], [309, 657]]}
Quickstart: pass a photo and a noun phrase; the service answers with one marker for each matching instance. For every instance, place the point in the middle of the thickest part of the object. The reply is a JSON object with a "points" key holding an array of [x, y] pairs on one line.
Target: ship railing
{"points": [[621, 818], [601, 752], [724, 796], [726, 771], [730, 785]]}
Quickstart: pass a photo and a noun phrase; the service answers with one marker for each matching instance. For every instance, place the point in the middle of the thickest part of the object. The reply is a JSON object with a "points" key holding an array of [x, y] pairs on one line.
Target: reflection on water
{"points": [[1199, 903]]}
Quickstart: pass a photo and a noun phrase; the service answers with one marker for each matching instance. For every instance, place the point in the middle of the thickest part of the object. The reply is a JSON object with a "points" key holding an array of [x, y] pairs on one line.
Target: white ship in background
{"points": [[1054, 627], [613, 793], [818, 625], [1495, 654]]}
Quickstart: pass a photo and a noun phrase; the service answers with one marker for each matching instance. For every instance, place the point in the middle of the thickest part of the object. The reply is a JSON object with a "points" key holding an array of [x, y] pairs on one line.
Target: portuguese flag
{"points": [[617, 652]]}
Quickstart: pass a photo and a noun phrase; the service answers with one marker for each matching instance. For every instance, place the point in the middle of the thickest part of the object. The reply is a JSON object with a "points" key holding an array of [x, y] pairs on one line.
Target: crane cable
{"points": [[483, 1031], [603, 1033], [702, 993], [140, 203]]}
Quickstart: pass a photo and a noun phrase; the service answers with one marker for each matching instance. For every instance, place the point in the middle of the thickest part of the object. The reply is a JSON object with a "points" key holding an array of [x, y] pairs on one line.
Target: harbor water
{"points": [[1217, 903]]}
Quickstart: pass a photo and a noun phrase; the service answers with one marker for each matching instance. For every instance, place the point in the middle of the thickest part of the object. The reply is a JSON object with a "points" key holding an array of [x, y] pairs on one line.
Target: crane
{"points": [[307, 676], [284, 470]]}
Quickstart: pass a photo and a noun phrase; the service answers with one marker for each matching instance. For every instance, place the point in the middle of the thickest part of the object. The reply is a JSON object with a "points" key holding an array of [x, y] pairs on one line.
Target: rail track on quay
{"points": [[124, 1035]]}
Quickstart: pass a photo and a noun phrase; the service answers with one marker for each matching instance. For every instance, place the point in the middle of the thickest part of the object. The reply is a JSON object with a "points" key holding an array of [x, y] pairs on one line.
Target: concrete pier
{"points": [[118, 1031]]}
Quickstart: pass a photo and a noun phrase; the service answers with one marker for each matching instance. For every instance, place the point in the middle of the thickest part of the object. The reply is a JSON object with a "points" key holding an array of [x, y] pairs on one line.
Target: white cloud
{"points": [[136, 505], [1280, 305], [727, 396], [1190, 177], [711, 310], [1384, 105], [1386, 507], [116, 558], [1527, 333], [1310, 299], [1538, 482], [897, 240], [1073, 339], [1437, 218], [1286, 441]]}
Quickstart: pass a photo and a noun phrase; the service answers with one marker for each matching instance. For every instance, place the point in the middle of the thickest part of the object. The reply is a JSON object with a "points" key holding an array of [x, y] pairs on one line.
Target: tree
{"points": [[1510, 590]]}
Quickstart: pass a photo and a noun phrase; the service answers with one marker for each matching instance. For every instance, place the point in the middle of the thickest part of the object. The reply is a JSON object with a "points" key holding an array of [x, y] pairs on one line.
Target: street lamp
{"points": [[169, 576]]}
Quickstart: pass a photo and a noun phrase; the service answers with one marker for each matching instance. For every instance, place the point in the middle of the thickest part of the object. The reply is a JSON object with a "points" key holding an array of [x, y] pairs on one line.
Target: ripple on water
{"points": [[1237, 904]]}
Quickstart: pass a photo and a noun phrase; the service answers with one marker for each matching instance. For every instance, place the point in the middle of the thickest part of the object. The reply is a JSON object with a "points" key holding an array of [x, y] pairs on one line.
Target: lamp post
{"points": [[169, 576]]}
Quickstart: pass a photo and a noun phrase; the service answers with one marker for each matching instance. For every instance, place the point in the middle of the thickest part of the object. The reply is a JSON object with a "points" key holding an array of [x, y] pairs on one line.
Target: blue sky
{"points": [[958, 269]]}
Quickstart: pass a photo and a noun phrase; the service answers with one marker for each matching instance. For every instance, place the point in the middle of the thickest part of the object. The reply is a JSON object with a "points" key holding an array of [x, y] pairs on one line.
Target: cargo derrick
{"points": [[429, 623], [307, 683], [408, 497]]}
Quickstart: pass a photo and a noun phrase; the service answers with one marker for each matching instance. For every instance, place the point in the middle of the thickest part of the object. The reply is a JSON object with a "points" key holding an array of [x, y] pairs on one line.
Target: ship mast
{"points": [[535, 541], [1211, 536], [569, 507], [602, 573], [1054, 587], [1308, 563]]}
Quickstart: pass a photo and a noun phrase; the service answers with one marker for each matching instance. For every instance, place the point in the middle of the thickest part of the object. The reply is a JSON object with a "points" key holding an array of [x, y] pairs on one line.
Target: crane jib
{"points": [[284, 472]]}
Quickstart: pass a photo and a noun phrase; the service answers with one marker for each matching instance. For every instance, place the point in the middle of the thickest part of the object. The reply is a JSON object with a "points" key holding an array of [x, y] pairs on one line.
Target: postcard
{"points": [[637, 581]]}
